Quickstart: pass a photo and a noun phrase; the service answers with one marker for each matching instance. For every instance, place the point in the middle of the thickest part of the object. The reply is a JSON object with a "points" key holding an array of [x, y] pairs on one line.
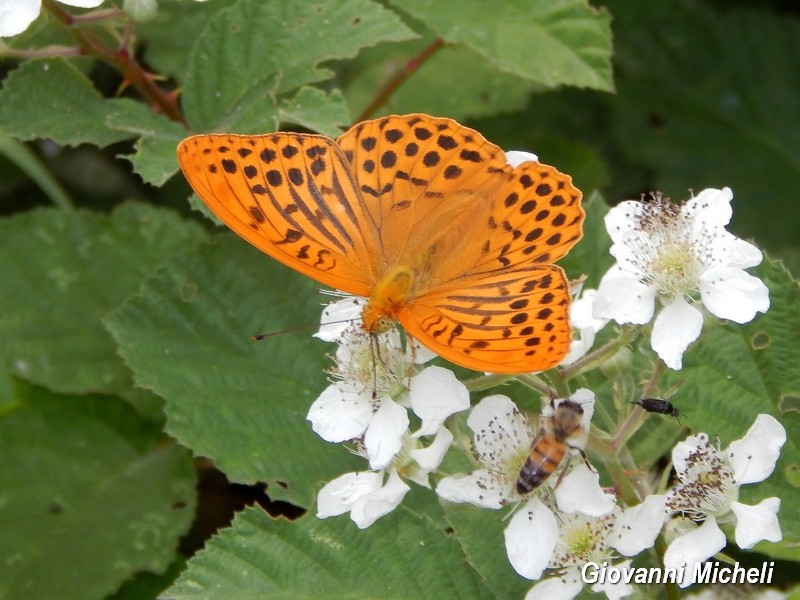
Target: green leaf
{"points": [[401, 556], [314, 109], [188, 336], [253, 52], [158, 137], [53, 99], [563, 42], [437, 87], [479, 532], [699, 111], [64, 270], [163, 50], [91, 496]]}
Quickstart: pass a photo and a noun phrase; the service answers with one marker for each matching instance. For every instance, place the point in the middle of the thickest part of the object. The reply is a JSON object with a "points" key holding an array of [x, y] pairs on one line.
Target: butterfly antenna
{"points": [[261, 336]]}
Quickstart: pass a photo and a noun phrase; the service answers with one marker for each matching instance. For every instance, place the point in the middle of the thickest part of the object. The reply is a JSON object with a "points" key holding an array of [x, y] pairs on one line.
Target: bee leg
{"points": [[564, 468], [586, 460]]}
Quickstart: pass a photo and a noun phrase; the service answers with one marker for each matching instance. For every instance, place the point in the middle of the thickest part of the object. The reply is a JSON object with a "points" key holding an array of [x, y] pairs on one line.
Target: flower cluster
{"points": [[375, 382], [397, 413]]}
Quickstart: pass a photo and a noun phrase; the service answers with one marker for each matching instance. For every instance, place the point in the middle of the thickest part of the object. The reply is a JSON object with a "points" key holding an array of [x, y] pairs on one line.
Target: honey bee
{"points": [[559, 432], [658, 405]]}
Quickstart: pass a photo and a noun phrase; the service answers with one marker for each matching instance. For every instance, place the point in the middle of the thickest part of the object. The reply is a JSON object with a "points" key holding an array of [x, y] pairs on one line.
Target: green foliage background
{"points": [[126, 315]]}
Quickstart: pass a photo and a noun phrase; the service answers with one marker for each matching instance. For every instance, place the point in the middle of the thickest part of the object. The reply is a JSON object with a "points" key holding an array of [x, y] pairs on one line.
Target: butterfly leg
{"points": [[375, 350]]}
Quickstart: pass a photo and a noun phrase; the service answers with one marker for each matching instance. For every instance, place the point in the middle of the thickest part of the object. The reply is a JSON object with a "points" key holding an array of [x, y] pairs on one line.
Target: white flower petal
{"points": [[478, 488], [620, 220], [615, 591], [580, 491], [431, 457], [369, 509], [17, 15], [756, 523], [339, 496], [531, 537], [637, 528], [517, 157], [579, 346], [733, 294], [585, 398], [421, 353], [684, 449], [676, 326], [694, 547], [384, 436], [581, 312], [709, 209], [498, 413], [340, 413], [743, 254], [435, 394], [554, 588], [338, 316], [623, 297], [754, 456]]}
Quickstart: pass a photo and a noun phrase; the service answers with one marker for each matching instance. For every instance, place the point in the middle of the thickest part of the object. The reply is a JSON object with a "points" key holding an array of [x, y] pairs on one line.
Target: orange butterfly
{"points": [[419, 214]]}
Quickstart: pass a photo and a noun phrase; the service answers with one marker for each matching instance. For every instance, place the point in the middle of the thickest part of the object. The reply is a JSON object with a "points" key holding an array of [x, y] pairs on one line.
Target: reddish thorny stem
{"points": [[412, 66], [124, 62]]}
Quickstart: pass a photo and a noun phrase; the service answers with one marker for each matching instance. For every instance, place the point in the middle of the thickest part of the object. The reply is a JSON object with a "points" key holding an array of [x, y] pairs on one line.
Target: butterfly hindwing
{"points": [[290, 195], [512, 322]]}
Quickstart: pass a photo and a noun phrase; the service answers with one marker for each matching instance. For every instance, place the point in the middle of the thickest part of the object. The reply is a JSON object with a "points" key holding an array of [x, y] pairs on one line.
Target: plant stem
{"points": [[411, 67], [123, 61], [484, 382], [634, 419], [593, 359], [29, 162]]}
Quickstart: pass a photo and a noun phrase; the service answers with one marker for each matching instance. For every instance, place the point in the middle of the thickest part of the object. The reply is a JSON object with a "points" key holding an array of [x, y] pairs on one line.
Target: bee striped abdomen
{"points": [[545, 456]]}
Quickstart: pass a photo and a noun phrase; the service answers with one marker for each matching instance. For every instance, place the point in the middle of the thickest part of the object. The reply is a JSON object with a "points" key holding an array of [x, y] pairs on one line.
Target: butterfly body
{"points": [[392, 292], [422, 216]]}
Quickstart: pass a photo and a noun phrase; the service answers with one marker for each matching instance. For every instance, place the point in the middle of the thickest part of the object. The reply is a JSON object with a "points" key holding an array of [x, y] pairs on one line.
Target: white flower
{"points": [[732, 593], [502, 442], [537, 539], [675, 253], [373, 388], [581, 540], [584, 324], [637, 527], [367, 496], [17, 15], [708, 489]]}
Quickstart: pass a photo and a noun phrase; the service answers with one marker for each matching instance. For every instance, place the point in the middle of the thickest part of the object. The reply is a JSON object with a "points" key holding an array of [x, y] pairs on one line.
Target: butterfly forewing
{"points": [[417, 174], [290, 195], [510, 322]]}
